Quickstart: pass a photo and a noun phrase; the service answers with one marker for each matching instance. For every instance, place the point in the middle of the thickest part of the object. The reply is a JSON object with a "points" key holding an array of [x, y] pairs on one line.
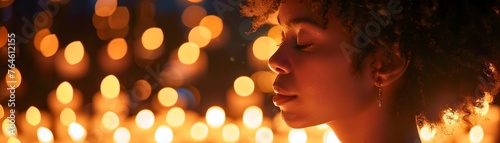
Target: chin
{"points": [[296, 121]]}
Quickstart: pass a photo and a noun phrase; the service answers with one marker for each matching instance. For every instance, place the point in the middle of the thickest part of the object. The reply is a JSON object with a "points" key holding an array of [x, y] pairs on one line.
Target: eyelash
{"points": [[297, 46]]}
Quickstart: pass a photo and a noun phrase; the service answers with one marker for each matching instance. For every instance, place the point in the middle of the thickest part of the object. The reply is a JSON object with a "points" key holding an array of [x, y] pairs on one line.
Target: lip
{"points": [[281, 99], [282, 96]]}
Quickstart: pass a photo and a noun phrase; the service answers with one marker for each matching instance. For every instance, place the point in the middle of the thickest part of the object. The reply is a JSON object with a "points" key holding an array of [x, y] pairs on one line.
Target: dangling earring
{"points": [[379, 94]]}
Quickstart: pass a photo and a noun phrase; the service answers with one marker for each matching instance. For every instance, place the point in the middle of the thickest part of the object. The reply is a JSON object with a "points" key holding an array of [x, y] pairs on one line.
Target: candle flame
{"points": [[67, 116], [199, 131], [264, 47], [64, 92], [476, 134], [215, 116], [252, 117], [188, 53], [297, 136], [45, 135], [121, 135], [427, 132], [243, 85], [145, 119], [214, 24], [76, 131], [176, 117], [264, 135], [230, 133], [33, 116], [200, 35], [167, 96], [117, 48], [164, 134], [74, 52], [110, 120], [110, 87], [152, 38]]}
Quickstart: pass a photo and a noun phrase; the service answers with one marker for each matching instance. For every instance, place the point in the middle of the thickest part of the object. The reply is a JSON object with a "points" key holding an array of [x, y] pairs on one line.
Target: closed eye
{"points": [[302, 47]]}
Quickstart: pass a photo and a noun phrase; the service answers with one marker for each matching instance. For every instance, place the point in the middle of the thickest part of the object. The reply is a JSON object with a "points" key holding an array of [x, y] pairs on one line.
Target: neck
{"points": [[376, 124]]}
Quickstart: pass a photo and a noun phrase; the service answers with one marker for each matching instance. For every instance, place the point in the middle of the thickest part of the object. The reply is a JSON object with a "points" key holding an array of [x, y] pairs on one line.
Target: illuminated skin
{"points": [[316, 84]]}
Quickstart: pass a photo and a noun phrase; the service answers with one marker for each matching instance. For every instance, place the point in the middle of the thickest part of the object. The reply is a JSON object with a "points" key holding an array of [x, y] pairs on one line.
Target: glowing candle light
{"points": [[176, 117], [252, 117], [49, 45], [188, 53], [13, 140], [121, 135], [110, 120], [33, 116], [297, 136], [145, 119], [13, 78], [76, 132], [275, 33], [105, 8], [215, 116], [330, 137], [152, 38], [45, 135], [164, 134], [9, 129], [264, 135], [74, 52], [1, 111], [3, 36], [214, 24], [64, 92], [230, 133], [427, 132], [476, 134], [117, 48], [199, 131], [67, 116], [195, 1], [167, 96], [243, 85], [200, 35], [38, 37], [264, 47], [110, 87]]}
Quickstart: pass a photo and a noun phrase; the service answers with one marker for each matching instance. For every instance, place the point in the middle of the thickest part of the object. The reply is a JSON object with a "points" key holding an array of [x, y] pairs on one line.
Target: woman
{"points": [[376, 71]]}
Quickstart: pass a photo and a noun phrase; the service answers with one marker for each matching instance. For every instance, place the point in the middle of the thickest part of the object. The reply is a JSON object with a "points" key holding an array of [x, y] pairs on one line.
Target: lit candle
{"points": [[64, 96], [45, 135], [164, 135], [199, 131], [121, 135], [77, 132], [297, 136]]}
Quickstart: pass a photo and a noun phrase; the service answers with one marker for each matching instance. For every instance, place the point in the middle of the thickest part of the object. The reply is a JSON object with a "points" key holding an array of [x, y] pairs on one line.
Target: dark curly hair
{"points": [[451, 46]]}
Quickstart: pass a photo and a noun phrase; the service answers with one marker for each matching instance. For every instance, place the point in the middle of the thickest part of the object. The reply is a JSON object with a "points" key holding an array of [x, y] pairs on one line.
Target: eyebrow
{"points": [[299, 20]]}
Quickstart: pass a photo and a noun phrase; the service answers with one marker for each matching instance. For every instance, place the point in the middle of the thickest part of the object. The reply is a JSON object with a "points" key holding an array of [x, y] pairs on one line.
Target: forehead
{"points": [[292, 12]]}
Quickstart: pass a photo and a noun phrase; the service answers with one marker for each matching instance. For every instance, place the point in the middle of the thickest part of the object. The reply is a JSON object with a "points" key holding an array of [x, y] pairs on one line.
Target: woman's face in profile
{"points": [[316, 83]]}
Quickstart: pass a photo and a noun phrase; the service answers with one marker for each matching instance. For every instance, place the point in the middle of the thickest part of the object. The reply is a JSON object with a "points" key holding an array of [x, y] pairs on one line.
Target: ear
{"points": [[389, 66]]}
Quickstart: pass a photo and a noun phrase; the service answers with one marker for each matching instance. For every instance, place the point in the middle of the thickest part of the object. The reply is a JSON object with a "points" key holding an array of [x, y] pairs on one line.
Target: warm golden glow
{"points": [[110, 120], [195, 1], [1, 111], [74, 52], [192, 15], [120, 18], [476, 134], [152, 38], [7, 127], [13, 77], [145, 119], [230, 133], [117, 48], [264, 80], [200, 35], [164, 135], [39, 36], [264, 47], [3, 36], [76, 131], [64, 92], [427, 132], [214, 24], [176, 117], [33, 116], [188, 53], [243, 86], [49, 45], [167, 96], [67, 116], [105, 8], [110, 87], [264, 135], [142, 89], [252, 117], [215, 116], [121, 135], [44, 135], [450, 116], [297, 136], [199, 131], [484, 110], [275, 33], [330, 137], [13, 140]]}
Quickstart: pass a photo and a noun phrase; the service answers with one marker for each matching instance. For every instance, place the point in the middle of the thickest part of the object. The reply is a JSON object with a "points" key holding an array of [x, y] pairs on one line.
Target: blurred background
{"points": [[148, 71]]}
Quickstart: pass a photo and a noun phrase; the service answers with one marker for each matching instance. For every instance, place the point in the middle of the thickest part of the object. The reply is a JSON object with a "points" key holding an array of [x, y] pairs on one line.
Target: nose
{"points": [[279, 61]]}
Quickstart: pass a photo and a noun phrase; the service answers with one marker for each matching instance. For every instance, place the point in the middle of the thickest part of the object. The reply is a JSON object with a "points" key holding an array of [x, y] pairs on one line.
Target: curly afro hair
{"points": [[454, 46]]}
